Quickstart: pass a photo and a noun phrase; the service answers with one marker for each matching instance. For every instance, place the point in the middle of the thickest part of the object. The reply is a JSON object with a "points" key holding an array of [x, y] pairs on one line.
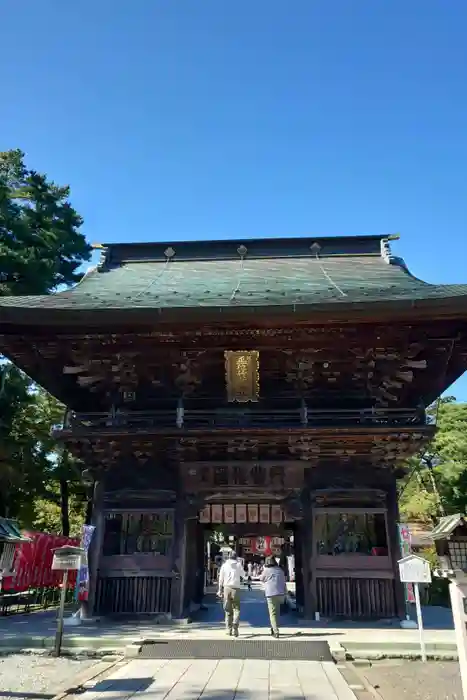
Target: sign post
{"points": [[458, 593], [61, 614], [418, 608], [65, 559], [415, 570]]}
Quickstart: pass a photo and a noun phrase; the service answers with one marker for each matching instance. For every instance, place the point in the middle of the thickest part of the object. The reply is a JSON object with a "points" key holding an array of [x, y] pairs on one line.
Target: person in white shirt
{"points": [[230, 581]]}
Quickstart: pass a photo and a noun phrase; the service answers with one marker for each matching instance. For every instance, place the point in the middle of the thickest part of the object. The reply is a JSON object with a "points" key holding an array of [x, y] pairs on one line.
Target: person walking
{"points": [[273, 579], [230, 581]]}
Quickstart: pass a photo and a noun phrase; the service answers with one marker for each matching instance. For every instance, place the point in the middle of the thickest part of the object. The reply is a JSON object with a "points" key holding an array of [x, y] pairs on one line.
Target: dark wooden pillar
{"points": [[309, 580], [394, 546], [200, 563], [184, 552], [191, 569], [88, 608], [179, 560], [298, 561]]}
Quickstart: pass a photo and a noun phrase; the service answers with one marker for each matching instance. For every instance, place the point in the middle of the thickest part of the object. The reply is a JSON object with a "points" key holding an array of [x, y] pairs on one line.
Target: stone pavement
{"points": [[38, 630], [233, 679]]}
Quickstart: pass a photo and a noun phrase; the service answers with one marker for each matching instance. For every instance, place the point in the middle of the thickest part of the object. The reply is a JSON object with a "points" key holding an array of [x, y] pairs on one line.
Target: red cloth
{"points": [[32, 564]]}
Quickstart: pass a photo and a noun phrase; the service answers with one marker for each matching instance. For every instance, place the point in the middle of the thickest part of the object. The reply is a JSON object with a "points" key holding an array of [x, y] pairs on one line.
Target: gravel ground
{"points": [[38, 677], [435, 680]]}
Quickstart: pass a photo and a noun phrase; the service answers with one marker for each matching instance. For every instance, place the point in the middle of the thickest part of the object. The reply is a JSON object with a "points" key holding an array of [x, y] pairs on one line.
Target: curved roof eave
{"points": [[327, 313]]}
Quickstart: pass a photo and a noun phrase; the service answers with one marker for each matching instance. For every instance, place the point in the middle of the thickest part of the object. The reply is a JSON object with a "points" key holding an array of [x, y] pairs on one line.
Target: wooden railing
{"points": [[133, 595], [353, 598], [187, 419]]}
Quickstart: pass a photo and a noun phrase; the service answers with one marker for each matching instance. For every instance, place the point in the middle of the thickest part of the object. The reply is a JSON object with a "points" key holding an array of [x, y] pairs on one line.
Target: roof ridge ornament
{"points": [[388, 257], [242, 250], [169, 255], [315, 248], [103, 257]]}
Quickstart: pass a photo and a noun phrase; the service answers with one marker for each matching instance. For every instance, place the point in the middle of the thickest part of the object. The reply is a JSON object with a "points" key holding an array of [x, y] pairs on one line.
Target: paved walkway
{"points": [[254, 611], [223, 680], [38, 629]]}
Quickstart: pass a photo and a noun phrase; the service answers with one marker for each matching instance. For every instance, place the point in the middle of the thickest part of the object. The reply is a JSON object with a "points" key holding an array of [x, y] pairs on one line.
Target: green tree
{"points": [[60, 472], [41, 249], [17, 454], [437, 480], [37, 474], [41, 246], [47, 516], [449, 450]]}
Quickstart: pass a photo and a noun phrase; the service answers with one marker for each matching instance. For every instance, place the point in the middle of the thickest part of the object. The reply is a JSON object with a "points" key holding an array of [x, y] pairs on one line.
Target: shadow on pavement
{"points": [[26, 696]]}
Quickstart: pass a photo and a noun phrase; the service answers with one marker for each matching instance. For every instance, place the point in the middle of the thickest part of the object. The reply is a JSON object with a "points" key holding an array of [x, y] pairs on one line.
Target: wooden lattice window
{"points": [[135, 533], [258, 475], [238, 475], [458, 553]]}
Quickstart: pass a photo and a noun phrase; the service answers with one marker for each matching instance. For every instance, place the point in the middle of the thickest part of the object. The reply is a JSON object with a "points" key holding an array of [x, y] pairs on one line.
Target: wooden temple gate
{"points": [[276, 384]]}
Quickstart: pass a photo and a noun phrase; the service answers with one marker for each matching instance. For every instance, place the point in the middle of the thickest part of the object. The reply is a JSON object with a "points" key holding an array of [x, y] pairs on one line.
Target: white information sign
{"points": [[413, 569]]}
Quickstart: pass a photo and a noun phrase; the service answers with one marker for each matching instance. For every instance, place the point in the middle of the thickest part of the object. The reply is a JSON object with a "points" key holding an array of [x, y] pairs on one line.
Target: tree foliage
{"points": [[437, 481], [40, 481], [41, 246], [41, 249]]}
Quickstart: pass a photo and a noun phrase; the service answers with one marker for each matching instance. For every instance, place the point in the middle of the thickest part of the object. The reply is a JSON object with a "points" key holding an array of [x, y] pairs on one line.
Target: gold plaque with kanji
{"points": [[242, 375]]}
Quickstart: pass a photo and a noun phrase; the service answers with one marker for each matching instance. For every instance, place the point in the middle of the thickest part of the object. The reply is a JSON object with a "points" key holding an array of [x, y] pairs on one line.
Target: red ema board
{"points": [[32, 564]]}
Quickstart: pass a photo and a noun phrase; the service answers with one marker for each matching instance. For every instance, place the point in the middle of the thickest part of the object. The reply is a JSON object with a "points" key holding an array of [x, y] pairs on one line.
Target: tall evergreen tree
{"points": [[41, 249], [41, 246]]}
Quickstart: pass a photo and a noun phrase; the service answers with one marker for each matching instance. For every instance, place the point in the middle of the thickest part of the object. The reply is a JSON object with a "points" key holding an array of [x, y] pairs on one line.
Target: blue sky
{"points": [[176, 119]]}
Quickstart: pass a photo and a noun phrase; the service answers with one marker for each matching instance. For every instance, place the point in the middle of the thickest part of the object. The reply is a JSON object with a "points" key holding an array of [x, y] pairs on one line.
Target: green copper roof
{"points": [[447, 525], [236, 274], [10, 532]]}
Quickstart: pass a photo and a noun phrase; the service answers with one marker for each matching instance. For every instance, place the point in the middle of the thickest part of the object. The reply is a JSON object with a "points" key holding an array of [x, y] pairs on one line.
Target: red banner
{"points": [[33, 563]]}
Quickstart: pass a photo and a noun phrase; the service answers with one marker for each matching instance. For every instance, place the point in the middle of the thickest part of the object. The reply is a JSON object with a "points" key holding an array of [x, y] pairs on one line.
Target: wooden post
{"points": [[298, 556], [191, 561], [309, 581], [420, 622], [394, 548], [179, 560], [457, 592], [200, 563], [61, 613]]}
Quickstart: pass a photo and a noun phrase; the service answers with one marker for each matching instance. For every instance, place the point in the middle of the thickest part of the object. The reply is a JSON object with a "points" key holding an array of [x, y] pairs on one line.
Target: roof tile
{"points": [[260, 281]]}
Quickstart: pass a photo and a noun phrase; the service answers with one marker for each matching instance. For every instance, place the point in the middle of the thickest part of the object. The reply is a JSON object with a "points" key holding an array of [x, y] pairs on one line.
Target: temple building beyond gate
{"points": [[274, 388]]}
